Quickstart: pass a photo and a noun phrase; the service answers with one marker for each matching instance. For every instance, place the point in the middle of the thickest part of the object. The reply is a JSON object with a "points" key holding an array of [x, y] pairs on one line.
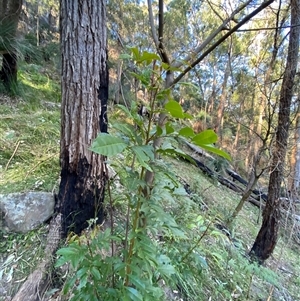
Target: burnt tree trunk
{"points": [[267, 237], [9, 18], [84, 100]]}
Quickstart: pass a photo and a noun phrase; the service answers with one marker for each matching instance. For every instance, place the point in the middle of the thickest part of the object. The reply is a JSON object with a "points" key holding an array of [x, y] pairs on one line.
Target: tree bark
{"points": [[221, 107], [9, 18], [267, 237], [295, 159], [84, 100]]}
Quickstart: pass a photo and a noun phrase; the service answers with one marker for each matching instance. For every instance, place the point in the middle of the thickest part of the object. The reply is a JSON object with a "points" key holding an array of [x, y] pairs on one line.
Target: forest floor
{"points": [[29, 160]]}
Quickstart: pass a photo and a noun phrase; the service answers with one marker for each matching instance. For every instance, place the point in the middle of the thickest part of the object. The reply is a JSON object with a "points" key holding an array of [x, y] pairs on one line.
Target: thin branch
{"points": [[215, 12], [221, 40], [152, 26], [211, 36], [162, 49], [266, 28], [158, 41], [16, 148]]}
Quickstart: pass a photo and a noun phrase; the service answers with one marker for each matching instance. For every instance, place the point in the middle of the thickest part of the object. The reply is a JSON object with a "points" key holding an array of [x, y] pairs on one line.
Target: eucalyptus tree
{"points": [[268, 234], [264, 101], [84, 85], [231, 19], [84, 98], [295, 157]]}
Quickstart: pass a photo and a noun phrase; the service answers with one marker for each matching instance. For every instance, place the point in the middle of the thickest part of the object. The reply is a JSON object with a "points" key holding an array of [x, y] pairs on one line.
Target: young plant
{"points": [[128, 261]]}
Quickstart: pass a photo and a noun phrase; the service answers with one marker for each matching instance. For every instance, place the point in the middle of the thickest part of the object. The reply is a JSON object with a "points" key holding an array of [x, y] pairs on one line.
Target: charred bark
{"points": [[84, 99], [9, 18], [9, 70], [79, 202]]}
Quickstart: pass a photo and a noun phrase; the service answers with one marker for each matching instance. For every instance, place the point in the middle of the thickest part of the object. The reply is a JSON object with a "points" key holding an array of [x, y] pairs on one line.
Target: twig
{"points": [[16, 148], [196, 244], [39, 163]]}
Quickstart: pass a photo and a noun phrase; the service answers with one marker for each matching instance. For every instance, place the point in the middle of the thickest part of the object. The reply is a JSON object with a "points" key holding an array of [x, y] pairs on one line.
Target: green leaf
{"points": [[69, 285], [187, 116], [134, 294], [163, 94], [168, 67], [169, 128], [148, 150], [174, 109], [124, 56], [127, 129], [95, 272], [142, 156], [216, 151], [188, 84], [180, 191], [165, 268], [186, 132], [135, 53], [159, 131], [144, 78], [205, 137], [148, 57], [81, 272], [108, 145], [137, 282], [67, 252], [61, 261], [172, 152], [125, 110], [201, 260]]}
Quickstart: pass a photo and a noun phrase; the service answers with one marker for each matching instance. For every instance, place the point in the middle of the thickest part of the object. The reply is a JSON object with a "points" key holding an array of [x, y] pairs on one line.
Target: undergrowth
{"points": [[164, 241], [168, 246], [30, 131]]}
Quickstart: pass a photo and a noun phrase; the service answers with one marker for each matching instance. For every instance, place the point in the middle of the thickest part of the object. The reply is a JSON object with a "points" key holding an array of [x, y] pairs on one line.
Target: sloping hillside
{"points": [[218, 268]]}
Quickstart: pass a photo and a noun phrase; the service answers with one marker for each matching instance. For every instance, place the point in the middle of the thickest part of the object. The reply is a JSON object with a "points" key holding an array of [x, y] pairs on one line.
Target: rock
{"points": [[22, 212]]}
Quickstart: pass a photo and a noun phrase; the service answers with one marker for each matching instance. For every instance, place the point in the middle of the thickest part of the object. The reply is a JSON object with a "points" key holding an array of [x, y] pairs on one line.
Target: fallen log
{"points": [[253, 199], [34, 288], [256, 196], [236, 177]]}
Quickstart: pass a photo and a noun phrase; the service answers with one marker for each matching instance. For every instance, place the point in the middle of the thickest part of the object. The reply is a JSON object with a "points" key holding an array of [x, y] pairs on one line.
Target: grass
{"points": [[29, 160], [19, 254], [29, 133]]}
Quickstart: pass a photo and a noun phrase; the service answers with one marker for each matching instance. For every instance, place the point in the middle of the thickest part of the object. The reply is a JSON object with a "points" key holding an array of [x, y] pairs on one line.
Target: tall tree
{"points": [[295, 157], [197, 55], [84, 98], [267, 237], [9, 17], [84, 95]]}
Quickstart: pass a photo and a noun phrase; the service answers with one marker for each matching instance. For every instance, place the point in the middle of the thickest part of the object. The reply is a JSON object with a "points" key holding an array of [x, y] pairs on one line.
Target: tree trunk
{"points": [[119, 82], [84, 100], [294, 184], [221, 107], [213, 96], [249, 156], [267, 237], [9, 18]]}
